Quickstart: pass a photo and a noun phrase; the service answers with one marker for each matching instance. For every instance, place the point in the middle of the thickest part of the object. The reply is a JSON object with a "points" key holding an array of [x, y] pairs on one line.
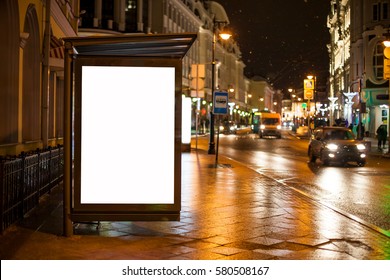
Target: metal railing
{"points": [[24, 179]]}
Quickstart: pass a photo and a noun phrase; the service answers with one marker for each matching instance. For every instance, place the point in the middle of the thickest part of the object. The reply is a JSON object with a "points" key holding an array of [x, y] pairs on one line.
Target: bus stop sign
{"points": [[220, 103]]}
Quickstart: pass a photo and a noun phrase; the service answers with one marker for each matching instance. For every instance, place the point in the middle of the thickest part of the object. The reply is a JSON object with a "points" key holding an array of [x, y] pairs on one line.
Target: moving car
{"points": [[270, 124], [336, 144], [228, 127], [303, 131]]}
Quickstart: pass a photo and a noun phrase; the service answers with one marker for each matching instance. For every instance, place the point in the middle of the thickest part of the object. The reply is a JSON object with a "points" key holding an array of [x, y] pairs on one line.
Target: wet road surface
{"points": [[363, 192]]}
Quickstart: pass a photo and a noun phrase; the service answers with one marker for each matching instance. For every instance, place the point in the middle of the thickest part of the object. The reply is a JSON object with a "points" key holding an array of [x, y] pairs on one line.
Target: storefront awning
{"points": [[56, 48]]}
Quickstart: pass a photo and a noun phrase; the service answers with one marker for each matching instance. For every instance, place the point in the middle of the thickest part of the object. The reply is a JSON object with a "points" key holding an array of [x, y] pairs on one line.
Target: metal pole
{"points": [[211, 140], [308, 113], [216, 153], [360, 128], [197, 120]]}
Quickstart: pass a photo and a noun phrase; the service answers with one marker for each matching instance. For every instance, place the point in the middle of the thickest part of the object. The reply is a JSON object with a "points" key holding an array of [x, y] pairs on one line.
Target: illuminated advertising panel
{"points": [[186, 121], [127, 146], [127, 150]]}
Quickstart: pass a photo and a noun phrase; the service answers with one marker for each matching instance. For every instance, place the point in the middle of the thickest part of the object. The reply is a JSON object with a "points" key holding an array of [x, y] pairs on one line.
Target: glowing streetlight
{"points": [[386, 43], [225, 36]]}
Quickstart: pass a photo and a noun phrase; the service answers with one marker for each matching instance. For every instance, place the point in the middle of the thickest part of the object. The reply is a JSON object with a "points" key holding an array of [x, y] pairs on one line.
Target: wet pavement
{"points": [[374, 150], [229, 212]]}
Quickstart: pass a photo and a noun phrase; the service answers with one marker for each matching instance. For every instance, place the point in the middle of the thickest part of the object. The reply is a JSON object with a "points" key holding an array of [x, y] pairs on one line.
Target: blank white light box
{"points": [[127, 135]]}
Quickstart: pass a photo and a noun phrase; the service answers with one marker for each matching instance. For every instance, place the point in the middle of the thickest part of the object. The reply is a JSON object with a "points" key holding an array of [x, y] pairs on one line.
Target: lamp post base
{"points": [[211, 150]]}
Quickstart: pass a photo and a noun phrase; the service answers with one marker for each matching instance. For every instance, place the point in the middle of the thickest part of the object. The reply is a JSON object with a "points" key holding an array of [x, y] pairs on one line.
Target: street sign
{"points": [[308, 84], [197, 80], [220, 103], [308, 94], [197, 87], [308, 88]]}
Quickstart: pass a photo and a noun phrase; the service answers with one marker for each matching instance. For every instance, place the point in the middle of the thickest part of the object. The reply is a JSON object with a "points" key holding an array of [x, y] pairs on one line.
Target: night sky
{"points": [[282, 40]]}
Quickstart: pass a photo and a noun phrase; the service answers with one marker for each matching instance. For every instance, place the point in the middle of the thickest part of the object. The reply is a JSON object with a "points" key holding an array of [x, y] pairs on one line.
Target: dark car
{"points": [[228, 127], [336, 144]]}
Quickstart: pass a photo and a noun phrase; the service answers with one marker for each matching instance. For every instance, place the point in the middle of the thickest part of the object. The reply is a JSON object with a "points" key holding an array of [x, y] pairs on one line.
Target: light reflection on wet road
{"points": [[360, 191]]}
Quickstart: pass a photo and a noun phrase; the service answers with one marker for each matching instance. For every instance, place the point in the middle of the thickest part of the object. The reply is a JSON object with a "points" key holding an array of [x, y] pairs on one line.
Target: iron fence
{"points": [[24, 179]]}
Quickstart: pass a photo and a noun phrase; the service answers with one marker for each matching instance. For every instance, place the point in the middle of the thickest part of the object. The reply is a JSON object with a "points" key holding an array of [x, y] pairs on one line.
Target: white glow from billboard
{"points": [[186, 120], [127, 135]]}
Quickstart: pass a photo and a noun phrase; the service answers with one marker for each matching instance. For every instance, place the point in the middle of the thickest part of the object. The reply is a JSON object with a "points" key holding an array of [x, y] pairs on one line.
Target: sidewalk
{"points": [[228, 212], [374, 148]]}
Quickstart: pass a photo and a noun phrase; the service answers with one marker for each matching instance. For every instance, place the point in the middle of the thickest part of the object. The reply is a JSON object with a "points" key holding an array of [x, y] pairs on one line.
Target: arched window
{"points": [[31, 79]]}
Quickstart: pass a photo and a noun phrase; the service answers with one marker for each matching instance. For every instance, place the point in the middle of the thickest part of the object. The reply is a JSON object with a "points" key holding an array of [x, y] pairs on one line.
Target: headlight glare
{"points": [[332, 147], [361, 147]]}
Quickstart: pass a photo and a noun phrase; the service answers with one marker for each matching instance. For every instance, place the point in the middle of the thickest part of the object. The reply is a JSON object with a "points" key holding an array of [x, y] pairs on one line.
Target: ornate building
{"points": [[358, 29], [32, 86], [339, 24], [175, 16], [31, 96]]}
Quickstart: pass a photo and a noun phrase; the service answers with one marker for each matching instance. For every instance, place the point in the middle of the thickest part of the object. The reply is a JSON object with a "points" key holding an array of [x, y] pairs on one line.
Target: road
{"points": [[363, 193]]}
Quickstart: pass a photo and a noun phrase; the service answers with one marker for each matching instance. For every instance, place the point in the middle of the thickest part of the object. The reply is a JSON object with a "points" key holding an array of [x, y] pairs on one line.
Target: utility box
{"points": [[123, 115]]}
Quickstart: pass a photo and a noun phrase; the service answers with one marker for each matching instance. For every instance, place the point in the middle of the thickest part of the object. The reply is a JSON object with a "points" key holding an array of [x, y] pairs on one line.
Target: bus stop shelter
{"points": [[122, 119]]}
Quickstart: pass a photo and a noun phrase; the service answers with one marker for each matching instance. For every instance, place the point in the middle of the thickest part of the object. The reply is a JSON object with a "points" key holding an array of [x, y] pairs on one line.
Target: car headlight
{"points": [[262, 126], [360, 147], [279, 127], [332, 147]]}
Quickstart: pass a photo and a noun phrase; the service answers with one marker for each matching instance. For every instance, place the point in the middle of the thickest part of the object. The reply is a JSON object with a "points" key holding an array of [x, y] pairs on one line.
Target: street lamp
{"points": [[225, 36]]}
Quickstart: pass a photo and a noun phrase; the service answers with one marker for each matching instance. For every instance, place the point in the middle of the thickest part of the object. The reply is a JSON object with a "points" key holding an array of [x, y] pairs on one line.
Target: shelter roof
{"points": [[144, 45]]}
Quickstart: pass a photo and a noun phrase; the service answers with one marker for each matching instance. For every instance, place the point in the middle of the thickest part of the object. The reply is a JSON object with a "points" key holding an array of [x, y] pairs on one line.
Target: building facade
{"points": [[358, 29], [176, 16], [31, 96], [31, 99], [261, 95], [32, 85], [339, 24]]}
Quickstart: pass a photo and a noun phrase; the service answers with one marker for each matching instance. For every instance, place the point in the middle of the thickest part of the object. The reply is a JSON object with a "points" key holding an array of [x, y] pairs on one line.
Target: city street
{"points": [[362, 193], [99, 103], [257, 209]]}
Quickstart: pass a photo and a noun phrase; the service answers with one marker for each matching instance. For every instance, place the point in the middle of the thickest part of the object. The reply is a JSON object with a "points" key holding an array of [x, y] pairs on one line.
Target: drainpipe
{"points": [[46, 78]]}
